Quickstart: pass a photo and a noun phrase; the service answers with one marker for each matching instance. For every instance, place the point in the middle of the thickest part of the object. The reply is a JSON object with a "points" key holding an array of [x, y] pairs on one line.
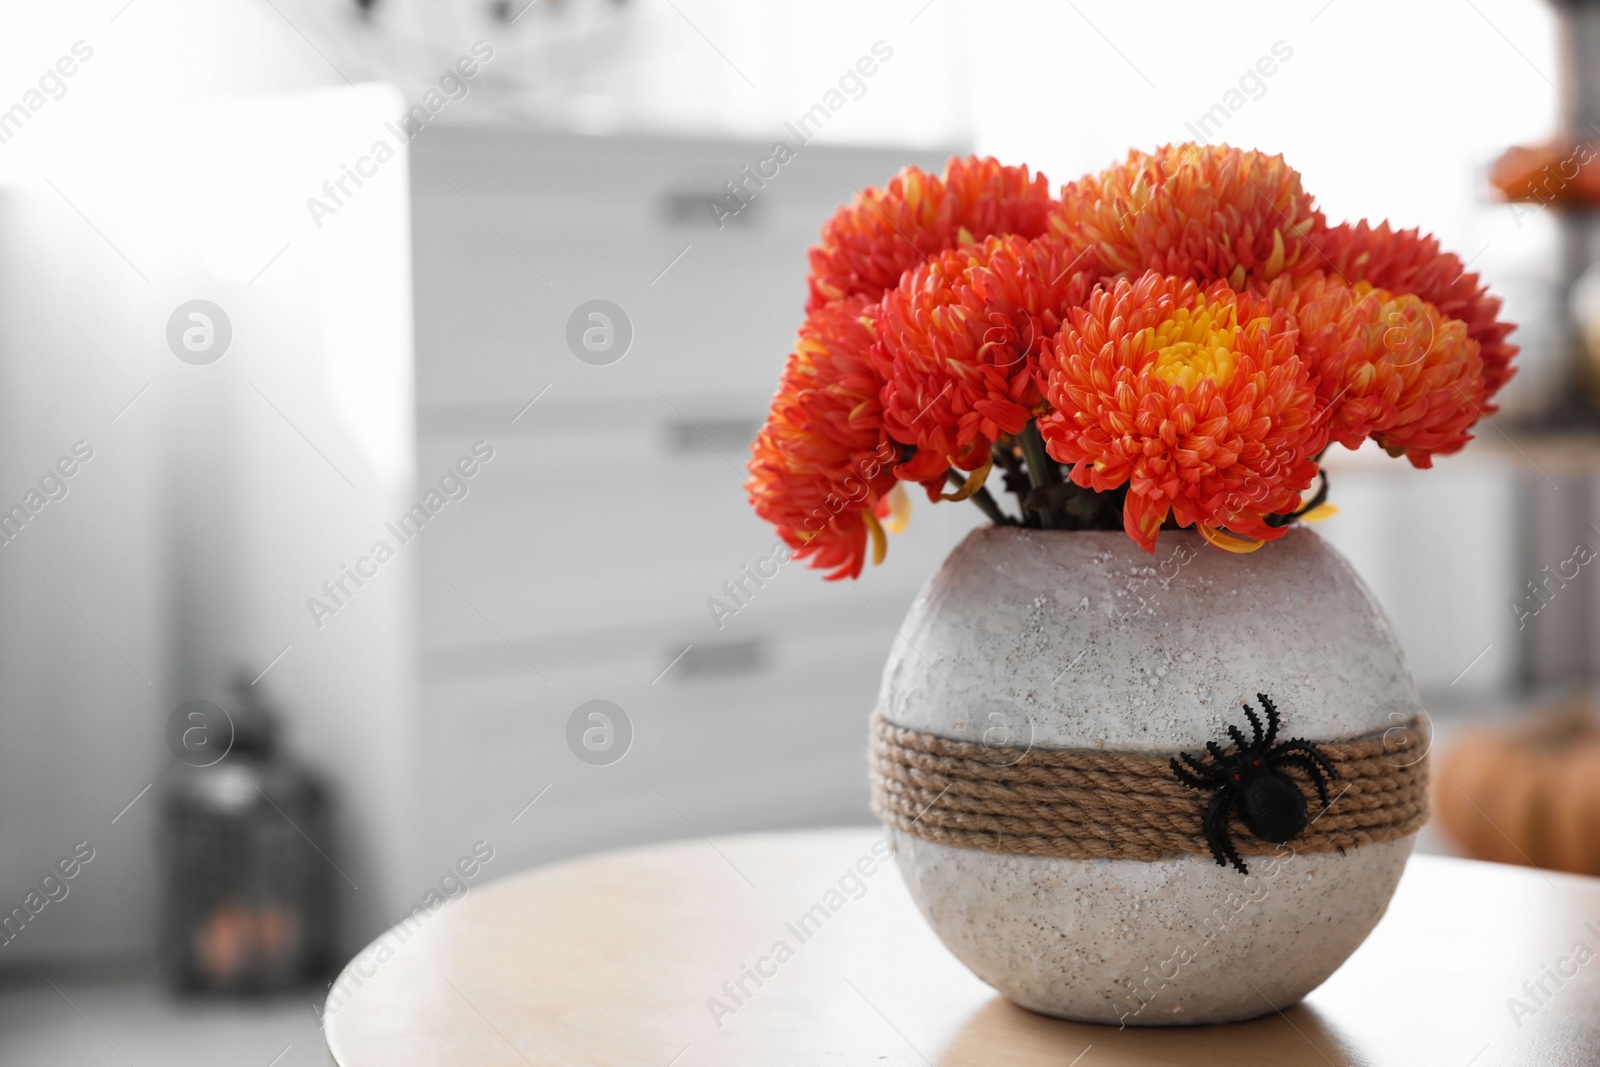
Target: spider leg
{"points": [[1255, 723], [1200, 769], [1196, 771], [1298, 744], [1217, 831], [1272, 718], [1188, 779], [1216, 753], [1209, 823], [1312, 771], [1238, 738]]}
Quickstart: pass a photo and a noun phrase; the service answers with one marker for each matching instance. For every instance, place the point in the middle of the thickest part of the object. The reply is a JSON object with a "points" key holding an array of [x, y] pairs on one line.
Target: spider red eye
{"points": [[1258, 763], [1238, 777]]}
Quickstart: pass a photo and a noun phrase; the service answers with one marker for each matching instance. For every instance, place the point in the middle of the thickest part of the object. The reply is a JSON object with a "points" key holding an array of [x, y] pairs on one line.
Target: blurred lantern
{"points": [[248, 903]]}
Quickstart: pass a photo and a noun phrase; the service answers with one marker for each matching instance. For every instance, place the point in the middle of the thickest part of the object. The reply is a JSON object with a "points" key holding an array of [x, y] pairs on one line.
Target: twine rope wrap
{"points": [[1090, 804]]}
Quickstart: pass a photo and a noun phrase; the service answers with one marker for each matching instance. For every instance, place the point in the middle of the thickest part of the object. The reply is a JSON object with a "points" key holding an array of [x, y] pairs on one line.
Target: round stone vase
{"points": [[1082, 640]]}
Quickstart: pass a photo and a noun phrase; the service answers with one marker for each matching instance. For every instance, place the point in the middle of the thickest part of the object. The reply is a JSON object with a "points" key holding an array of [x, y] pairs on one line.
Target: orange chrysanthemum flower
{"points": [[1406, 261], [847, 529], [1390, 367], [870, 242], [1184, 330], [1193, 398], [1205, 212], [957, 339], [821, 468]]}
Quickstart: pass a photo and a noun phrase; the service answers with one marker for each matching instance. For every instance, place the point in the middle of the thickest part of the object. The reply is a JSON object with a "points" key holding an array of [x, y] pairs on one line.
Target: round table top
{"points": [[639, 957]]}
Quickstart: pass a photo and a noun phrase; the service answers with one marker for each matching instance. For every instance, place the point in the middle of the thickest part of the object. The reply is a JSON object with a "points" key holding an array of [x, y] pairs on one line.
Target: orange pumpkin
{"points": [[1526, 794]]}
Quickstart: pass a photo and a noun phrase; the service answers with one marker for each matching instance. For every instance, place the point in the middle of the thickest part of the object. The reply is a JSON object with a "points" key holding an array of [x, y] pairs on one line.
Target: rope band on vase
{"points": [[1092, 804]]}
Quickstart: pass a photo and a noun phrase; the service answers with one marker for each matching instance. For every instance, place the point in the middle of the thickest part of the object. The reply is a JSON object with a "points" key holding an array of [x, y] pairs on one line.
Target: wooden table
{"points": [[612, 960]]}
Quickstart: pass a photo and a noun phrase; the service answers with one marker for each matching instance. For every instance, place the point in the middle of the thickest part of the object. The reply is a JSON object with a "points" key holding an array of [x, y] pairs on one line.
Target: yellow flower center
{"points": [[1195, 343]]}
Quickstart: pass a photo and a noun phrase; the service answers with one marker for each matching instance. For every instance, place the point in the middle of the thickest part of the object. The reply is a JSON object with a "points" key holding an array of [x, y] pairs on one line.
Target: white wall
{"points": [[84, 650], [220, 500]]}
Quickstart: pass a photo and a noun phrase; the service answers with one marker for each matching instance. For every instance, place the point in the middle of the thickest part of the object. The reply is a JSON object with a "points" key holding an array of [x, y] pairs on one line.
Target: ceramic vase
{"points": [[1083, 640]]}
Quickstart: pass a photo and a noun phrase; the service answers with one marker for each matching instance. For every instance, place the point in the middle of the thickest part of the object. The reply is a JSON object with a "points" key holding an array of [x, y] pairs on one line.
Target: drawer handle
{"points": [[723, 659], [710, 436], [714, 209]]}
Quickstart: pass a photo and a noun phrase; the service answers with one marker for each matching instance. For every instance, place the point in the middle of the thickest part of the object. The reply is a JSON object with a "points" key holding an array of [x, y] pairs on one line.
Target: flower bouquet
{"points": [[1079, 750], [1172, 343]]}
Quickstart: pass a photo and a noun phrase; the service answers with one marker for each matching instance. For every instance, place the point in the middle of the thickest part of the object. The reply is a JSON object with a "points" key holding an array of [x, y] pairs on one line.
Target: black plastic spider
{"points": [[1269, 801]]}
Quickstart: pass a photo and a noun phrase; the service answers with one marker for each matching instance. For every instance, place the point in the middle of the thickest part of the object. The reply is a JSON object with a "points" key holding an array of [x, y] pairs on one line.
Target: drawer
{"points": [[546, 542], [718, 751], [512, 231]]}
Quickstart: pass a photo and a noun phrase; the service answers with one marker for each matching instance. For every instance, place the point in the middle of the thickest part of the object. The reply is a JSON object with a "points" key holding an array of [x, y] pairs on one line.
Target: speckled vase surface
{"points": [[1083, 640]]}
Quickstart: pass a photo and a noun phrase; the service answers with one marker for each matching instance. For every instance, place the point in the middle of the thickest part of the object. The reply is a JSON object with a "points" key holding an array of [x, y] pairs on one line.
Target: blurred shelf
{"points": [[1570, 453]]}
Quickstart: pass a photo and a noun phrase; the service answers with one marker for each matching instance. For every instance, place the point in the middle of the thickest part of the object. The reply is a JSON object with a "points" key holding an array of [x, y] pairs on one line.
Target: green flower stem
{"points": [[1007, 461], [985, 501], [991, 507], [1042, 470]]}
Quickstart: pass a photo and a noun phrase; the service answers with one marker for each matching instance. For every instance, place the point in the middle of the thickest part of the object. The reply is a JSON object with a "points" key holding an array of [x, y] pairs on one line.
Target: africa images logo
{"points": [[199, 332]]}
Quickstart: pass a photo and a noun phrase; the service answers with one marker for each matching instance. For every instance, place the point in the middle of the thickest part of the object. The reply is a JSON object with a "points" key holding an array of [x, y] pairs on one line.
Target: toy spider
{"points": [[1269, 801]]}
